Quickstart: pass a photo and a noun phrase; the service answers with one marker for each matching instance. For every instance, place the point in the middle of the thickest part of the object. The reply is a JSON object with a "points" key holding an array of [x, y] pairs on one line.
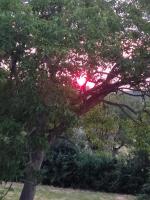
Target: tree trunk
{"points": [[30, 183], [29, 188], [28, 191]]}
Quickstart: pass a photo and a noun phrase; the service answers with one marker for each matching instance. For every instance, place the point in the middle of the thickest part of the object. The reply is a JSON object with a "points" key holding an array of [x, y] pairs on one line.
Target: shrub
{"points": [[145, 190], [133, 173], [68, 167], [60, 166]]}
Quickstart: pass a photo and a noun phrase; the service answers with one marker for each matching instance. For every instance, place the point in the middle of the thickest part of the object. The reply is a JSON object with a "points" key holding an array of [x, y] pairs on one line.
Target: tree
{"points": [[110, 128], [46, 45], [101, 128]]}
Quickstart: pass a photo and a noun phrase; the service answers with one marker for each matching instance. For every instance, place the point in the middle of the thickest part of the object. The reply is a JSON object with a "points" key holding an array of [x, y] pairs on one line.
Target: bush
{"points": [[145, 190], [68, 167], [96, 172], [133, 173], [132, 177], [60, 166]]}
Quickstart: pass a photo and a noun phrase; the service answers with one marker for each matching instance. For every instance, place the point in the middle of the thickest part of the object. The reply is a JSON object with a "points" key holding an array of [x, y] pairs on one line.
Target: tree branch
{"points": [[131, 94], [120, 105], [94, 96]]}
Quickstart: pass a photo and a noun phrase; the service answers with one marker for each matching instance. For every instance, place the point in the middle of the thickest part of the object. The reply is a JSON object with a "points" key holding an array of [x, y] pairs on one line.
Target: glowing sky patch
{"points": [[90, 84], [81, 80]]}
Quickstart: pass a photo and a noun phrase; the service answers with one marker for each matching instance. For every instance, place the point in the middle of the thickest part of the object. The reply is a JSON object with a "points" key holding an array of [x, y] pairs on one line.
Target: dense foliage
{"points": [[45, 45], [145, 192], [112, 129], [68, 167]]}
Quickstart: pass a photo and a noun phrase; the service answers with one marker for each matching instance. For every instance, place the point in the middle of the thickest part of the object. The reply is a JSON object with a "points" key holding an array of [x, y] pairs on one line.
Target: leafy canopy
{"points": [[46, 45]]}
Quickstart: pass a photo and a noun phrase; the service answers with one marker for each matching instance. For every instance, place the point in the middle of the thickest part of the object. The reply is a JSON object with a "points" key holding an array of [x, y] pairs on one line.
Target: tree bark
{"points": [[30, 183]]}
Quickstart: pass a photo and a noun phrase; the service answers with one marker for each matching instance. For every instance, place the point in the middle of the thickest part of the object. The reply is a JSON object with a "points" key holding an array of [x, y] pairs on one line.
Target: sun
{"points": [[82, 80]]}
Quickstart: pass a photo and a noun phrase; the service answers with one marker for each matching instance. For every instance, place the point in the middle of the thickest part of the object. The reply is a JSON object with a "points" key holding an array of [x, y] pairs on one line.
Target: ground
{"points": [[51, 193]]}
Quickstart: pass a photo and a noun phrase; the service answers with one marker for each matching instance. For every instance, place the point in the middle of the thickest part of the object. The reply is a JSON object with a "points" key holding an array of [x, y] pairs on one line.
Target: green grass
{"points": [[51, 193]]}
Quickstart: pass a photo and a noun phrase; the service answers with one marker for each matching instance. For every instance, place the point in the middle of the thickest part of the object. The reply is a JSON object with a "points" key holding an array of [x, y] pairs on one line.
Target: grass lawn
{"points": [[51, 193]]}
